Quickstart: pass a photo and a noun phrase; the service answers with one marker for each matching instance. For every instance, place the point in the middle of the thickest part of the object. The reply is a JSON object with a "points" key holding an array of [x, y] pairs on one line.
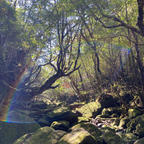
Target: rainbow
{"points": [[6, 104]]}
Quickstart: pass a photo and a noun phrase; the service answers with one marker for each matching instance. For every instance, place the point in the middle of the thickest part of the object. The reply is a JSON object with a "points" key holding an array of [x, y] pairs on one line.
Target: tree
{"points": [[58, 42]]}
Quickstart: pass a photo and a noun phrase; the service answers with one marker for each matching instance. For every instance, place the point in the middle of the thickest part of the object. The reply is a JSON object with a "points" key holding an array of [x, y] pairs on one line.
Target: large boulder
{"points": [[46, 116], [9, 132], [90, 110], [110, 137], [107, 101], [45, 135], [62, 113], [92, 129], [136, 125], [77, 136]]}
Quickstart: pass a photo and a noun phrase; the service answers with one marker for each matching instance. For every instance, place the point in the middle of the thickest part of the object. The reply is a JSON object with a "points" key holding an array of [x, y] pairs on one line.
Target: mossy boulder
{"points": [[136, 125], [90, 109], [60, 125], [92, 129], [77, 136], [47, 116], [139, 141], [45, 135], [9, 132], [107, 101], [132, 113], [110, 137], [62, 113]]}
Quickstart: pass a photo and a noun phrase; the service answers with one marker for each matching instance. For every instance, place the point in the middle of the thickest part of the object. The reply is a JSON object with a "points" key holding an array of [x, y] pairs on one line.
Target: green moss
{"points": [[77, 136], [45, 135], [136, 126], [9, 132], [110, 137], [93, 130], [90, 109]]}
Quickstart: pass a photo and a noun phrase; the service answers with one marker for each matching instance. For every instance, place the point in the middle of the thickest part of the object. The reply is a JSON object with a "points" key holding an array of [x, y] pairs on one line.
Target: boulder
{"points": [[62, 113], [60, 125], [107, 101], [45, 135], [77, 136], [9, 132], [110, 136], [90, 109], [136, 126], [47, 116], [92, 129]]}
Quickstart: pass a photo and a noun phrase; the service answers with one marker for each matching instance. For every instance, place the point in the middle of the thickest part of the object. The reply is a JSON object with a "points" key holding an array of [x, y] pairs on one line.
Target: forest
{"points": [[72, 71]]}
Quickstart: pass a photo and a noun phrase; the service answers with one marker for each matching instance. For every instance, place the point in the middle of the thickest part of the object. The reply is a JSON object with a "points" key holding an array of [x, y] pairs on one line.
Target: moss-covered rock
{"points": [[132, 113], [136, 125], [62, 113], [60, 125], [77, 136], [91, 109], [107, 101], [46, 117], [92, 129], [110, 136], [45, 135], [9, 132]]}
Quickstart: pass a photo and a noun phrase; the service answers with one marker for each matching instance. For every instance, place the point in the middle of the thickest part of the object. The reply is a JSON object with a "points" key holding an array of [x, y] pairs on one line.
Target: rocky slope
{"points": [[104, 121]]}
